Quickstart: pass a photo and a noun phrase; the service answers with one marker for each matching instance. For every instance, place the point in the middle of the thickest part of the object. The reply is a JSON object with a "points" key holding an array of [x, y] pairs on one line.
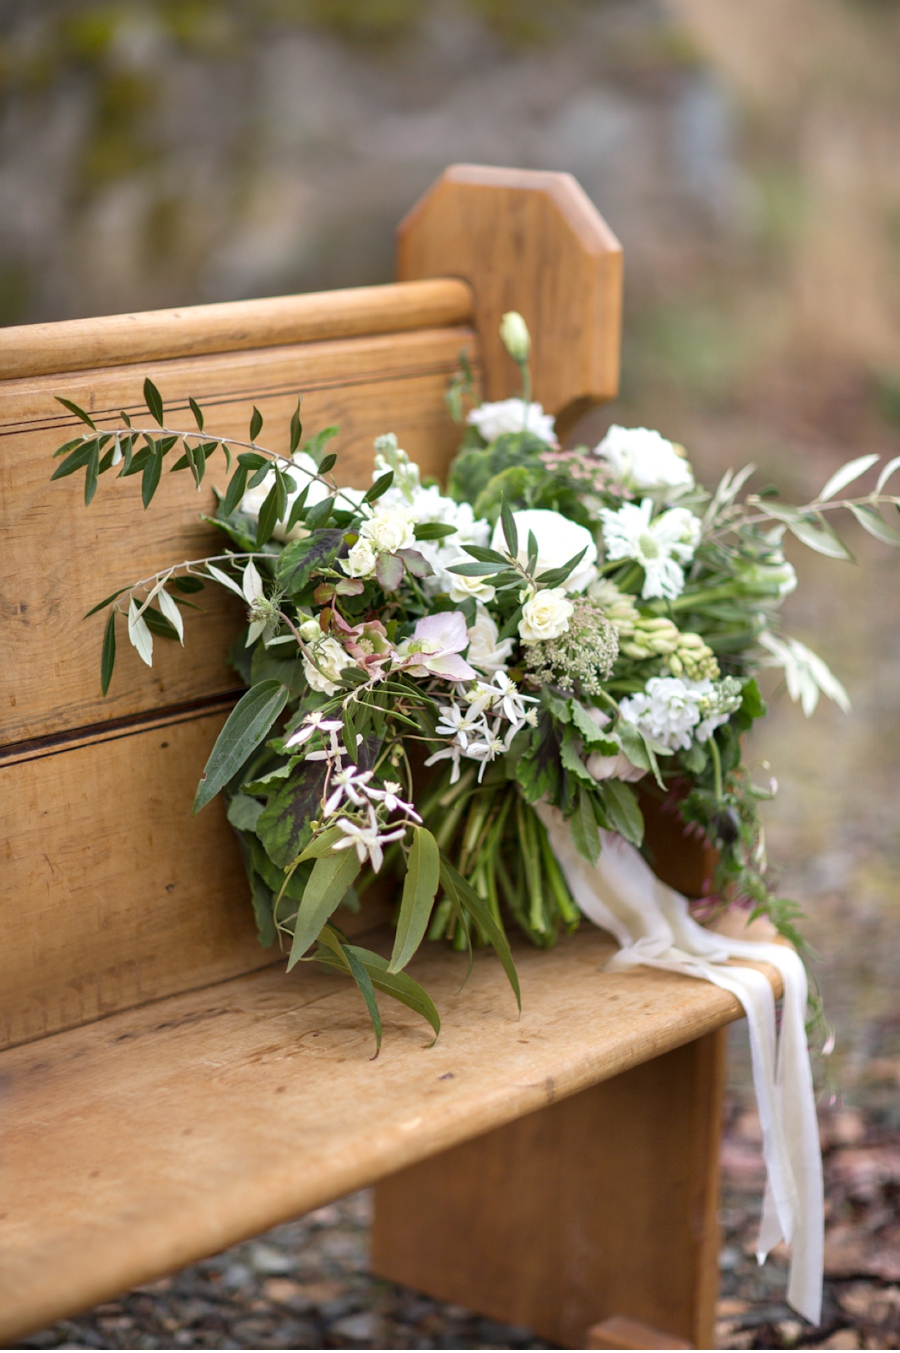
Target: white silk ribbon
{"points": [[652, 924]]}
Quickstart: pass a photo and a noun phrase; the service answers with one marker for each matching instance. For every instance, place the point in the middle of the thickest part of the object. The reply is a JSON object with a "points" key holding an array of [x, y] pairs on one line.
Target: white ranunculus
{"points": [[643, 461], [360, 562], [545, 616], [253, 499], [510, 415], [487, 651], [558, 540], [390, 529]]}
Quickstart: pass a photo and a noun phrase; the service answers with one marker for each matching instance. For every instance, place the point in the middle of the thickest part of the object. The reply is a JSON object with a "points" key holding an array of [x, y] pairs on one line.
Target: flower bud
{"points": [[515, 335]]}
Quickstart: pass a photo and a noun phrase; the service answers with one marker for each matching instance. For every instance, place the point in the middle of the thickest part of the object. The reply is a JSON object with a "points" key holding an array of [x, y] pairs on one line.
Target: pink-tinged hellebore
{"points": [[367, 643], [435, 647]]}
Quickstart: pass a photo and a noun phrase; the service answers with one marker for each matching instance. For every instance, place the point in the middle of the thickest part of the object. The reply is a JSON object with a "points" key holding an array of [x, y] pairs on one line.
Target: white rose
{"points": [[461, 588], [360, 562], [545, 616], [642, 460], [389, 530], [510, 415], [487, 651], [558, 539], [330, 661]]}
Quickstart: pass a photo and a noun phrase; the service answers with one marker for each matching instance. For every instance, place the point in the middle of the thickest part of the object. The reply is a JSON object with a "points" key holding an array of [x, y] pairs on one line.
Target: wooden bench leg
{"points": [[601, 1205]]}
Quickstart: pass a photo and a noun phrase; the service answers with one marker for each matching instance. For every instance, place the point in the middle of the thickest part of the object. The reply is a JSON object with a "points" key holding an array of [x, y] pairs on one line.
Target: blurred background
{"points": [[163, 152]]}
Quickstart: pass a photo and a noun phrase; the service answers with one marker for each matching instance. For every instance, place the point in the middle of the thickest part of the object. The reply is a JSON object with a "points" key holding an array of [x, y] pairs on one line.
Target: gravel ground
{"points": [[305, 1285]]}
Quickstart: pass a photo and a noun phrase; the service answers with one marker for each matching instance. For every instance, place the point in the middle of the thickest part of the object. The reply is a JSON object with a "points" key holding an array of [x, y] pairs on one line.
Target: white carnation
{"points": [[510, 415], [558, 540], [545, 616], [643, 461]]}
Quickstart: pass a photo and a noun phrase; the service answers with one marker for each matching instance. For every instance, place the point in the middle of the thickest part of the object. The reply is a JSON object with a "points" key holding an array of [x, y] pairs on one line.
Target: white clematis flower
{"points": [[643, 461], [659, 545], [558, 541], [510, 415]]}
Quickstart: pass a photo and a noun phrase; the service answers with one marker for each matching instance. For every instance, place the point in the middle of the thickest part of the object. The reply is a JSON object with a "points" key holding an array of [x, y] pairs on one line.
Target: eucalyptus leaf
{"points": [[419, 889], [248, 724], [108, 656], [332, 875]]}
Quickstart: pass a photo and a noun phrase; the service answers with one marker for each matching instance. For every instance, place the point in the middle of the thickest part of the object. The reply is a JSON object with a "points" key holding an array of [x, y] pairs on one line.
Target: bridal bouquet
{"points": [[572, 628]]}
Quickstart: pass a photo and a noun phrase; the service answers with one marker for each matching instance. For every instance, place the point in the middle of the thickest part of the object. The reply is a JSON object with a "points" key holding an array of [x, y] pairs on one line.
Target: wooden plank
{"points": [[531, 241], [113, 895], [60, 558], [599, 1204], [170, 1132], [116, 340], [620, 1332]]}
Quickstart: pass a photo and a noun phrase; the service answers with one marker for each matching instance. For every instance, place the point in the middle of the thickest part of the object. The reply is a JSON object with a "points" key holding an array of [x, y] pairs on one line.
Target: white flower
{"points": [[461, 588], [314, 722], [451, 752], [453, 723], [558, 540], [511, 701], [805, 673], [644, 461], [660, 546], [487, 651], [668, 710], [545, 616], [327, 658], [390, 529], [485, 750], [365, 839], [510, 415], [515, 336], [614, 767], [389, 796], [253, 499], [347, 783], [360, 562]]}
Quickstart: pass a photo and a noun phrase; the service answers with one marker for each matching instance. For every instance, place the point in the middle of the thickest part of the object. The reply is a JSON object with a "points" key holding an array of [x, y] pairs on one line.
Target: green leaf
{"points": [[248, 723], [434, 530], [571, 761], [846, 475], [482, 914], [105, 602], [398, 985], [90, 478], [591, 733], [153, 401], [480, 570], [875, 524], [284, 826], [509, 528], [512, 625], [302, 558], [244, 812], [818, 537], [150, 477], [268, 517], [296, 426], [381, 485], [622, 809], [583, 826], [389, 570], [75, 460], [262, 898], [196, 411], [319, 513], [188, 584], [363, 980], [256, 422], [73, 408], [108, 656], [316, 445], [159, 624], [237, 486], [322, 844], [419, 889], [327, 463], [332, 875], [416, 563], [555, 576]]}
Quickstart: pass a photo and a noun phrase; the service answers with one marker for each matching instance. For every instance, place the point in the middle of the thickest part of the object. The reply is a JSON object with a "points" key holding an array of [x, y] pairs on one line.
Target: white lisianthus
{"points": [[360, 562], [643, 461], [558, 540], [660, 546], [545, 616], [515, 336], [253, 499], [389, 529], [329, 658], [487, 651], [511, 415]]}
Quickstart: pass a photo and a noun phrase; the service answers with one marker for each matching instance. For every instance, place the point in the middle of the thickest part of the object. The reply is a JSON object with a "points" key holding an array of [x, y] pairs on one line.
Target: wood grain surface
{"points": [[116, 340], [531, 241], [113, 895], [59, 558], [172, 1131], [602, 1203]]}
